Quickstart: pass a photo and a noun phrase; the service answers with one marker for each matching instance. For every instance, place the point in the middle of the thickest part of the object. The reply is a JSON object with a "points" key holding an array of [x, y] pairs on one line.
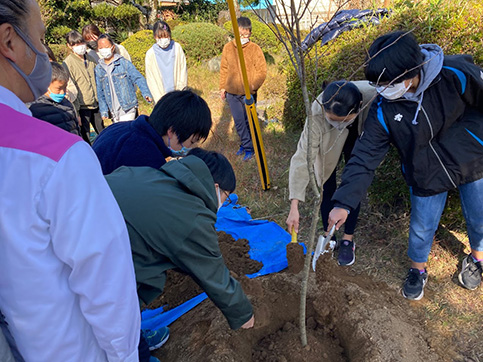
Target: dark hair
{"points": [[220, 168], [342, 98], [59, 73], [73, 37], [106, 36], [50, 53], [399, 53], [161, 29], [90, 29], [185, 112], [14, 12], [244, 23]]}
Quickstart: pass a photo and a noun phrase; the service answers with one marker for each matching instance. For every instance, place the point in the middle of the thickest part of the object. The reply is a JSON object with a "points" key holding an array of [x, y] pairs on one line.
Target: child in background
{"points": [[81, 70], [53, 107], [116, 80], [165, 63]]}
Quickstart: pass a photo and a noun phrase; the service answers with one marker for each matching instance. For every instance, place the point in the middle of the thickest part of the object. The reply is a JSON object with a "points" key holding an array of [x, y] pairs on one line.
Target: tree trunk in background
{"points": [[237, 8], [153, 4]]}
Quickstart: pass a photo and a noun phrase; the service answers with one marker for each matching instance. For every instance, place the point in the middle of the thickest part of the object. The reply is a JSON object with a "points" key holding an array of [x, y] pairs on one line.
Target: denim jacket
{"points": [[124, 76]]}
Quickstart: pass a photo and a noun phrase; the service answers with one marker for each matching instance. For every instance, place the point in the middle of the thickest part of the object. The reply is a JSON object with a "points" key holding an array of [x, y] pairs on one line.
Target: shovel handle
{"points": [[294, 236]]}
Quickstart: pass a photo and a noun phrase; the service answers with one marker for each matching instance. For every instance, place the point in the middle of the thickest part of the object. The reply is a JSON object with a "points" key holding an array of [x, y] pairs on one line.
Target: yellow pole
{"points": [[251, 108]]}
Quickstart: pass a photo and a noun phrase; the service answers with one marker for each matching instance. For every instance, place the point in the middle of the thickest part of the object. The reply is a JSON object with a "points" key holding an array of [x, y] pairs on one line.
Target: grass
{"points": [[454, 314]]}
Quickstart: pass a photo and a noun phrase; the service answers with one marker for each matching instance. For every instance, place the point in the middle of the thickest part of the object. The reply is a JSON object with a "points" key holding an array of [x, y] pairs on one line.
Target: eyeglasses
{"points": [[228, 200]]}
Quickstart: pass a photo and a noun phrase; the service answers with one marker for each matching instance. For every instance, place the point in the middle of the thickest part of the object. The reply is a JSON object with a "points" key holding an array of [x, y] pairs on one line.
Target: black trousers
{"points": [[331, 185], [88, 117]]}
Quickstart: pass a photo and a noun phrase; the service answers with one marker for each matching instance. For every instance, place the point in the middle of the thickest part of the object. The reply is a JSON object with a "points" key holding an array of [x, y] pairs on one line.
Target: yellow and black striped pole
{"points": [[251, 108]]}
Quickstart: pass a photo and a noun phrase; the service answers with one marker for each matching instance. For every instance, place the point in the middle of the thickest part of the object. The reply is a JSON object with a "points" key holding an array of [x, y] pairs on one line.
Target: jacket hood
{"points": [[194, 175], [433, 62]]}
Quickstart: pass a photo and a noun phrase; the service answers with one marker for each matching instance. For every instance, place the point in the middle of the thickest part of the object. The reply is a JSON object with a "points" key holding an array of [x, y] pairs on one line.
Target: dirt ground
{"points": [[349, 318]]}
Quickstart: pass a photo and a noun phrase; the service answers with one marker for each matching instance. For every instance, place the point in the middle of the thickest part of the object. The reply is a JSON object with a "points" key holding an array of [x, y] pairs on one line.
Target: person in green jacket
{"points": [[170, 215]]}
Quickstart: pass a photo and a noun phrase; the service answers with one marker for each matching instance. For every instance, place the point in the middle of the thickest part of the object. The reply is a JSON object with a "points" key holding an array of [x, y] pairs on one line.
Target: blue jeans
{"points": [[426, 213]]}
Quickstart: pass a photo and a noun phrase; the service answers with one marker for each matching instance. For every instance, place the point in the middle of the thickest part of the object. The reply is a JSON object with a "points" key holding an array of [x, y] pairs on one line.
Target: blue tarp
{"points": [[267, 242], [342, 21]]}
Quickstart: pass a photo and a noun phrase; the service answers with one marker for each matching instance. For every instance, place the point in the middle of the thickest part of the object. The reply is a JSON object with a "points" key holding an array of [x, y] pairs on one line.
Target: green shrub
{"points": [[261, 34], [58, 33], [126, 17], [137, 45], [200, 41], [200, 10], [61, 51]]}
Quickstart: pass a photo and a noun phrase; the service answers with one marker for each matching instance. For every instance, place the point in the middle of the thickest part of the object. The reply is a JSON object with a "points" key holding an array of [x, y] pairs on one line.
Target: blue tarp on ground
{"points": [[267, 242]]}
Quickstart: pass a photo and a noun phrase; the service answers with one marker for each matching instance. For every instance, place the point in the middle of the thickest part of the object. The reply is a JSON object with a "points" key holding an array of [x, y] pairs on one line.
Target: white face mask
{"points": [[393, 92], [105, 53], [163, 42], [80, 49], [244, 41]]}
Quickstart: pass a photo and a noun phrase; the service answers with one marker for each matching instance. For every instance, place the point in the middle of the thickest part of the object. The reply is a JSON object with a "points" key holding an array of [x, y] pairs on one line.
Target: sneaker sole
{"points": [[160, 344], [352, 261], [419, 297]]}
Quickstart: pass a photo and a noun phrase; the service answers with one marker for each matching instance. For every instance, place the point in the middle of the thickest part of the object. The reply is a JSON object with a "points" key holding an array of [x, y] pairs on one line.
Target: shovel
{"points": [[322, 246]]}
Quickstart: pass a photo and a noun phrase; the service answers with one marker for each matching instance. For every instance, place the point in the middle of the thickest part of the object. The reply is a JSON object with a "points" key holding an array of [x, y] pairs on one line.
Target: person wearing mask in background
{"points": [[231, 82], [165, 63], [170, 214], [53, 106], [338, 117], [81, 70], [116, 80], [91, 33], [178, 121], [71, 93], [67, 283], [430, 107]]}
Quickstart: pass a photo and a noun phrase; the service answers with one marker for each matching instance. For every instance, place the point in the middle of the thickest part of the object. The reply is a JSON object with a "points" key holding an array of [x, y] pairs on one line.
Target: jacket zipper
{"points": [[431, 145]]}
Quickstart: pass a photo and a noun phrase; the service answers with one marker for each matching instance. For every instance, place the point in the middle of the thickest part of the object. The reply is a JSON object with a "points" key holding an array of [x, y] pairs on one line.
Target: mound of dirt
{"points": [[349, 317], [180, 287]]}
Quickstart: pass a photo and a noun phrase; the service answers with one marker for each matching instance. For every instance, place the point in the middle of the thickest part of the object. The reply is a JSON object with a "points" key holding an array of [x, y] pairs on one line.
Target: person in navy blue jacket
{"points": [[430, 107], [179, 120], [116, 80]]}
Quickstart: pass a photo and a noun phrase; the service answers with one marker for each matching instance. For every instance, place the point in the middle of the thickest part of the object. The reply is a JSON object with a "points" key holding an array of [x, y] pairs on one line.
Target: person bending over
{"points": [[430, 107], [170, 214], [338, 116]]}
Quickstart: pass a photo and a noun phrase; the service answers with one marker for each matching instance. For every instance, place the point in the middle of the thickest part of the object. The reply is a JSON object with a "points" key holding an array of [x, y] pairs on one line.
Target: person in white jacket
{"points": [[67, 283], [165, 63]]}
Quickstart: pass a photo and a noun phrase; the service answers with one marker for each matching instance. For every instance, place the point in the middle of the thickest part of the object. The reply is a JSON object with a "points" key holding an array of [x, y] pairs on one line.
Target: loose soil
{"points": [[349, 318]]}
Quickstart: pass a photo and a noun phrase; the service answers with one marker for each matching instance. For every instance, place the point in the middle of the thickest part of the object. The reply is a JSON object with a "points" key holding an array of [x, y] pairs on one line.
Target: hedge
{"points": [[200, 41], [137, 45]]}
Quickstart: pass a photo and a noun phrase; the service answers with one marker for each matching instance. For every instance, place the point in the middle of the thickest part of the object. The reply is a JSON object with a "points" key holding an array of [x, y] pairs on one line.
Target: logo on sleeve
{"points": [[481, 74], [398, 117]]}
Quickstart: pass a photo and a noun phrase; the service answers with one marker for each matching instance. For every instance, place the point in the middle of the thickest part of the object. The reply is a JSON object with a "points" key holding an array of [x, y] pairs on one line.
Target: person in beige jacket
{"points": [[338, 113], [166, 69], [231, 82], [81, 71]]}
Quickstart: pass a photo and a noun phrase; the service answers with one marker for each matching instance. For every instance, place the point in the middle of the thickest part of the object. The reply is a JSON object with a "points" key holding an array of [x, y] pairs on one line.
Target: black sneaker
{"points": [[470, 276], [346, 253], [414, 285]]}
